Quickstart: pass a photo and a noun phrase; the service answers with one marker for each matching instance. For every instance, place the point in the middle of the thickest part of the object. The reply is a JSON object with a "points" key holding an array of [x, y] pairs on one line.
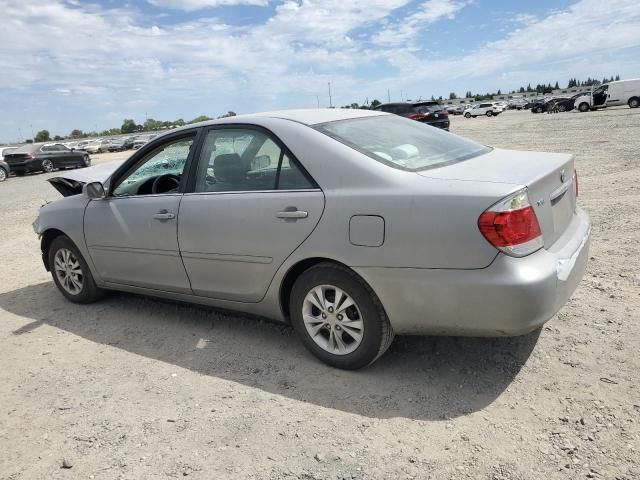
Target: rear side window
{"points": [[402, 143], [246, 160]]}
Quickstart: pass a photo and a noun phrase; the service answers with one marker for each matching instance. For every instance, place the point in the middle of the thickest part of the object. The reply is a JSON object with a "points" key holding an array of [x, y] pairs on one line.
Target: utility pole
{"points": [[330, 103], [388, 96], [318, 100]]}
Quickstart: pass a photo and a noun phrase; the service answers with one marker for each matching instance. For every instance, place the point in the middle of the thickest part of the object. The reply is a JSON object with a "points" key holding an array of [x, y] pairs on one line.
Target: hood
{"points": [[71, 182]]}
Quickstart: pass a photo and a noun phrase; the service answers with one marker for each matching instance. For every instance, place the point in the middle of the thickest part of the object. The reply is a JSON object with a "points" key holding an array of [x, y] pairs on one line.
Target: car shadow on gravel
{"points": [[430, 378]]}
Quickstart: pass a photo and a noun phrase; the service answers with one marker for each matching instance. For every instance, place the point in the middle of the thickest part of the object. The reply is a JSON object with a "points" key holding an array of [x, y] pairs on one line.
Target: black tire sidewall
{"points": [[6, 174], [89, 292], [372, 315]]}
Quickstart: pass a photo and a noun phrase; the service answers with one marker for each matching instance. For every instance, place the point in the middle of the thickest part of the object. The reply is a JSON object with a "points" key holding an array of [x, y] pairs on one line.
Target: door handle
{"points": [[164, 215], [293, 214]]}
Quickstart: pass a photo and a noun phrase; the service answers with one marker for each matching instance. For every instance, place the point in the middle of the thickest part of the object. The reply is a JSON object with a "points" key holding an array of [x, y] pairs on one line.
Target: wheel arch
{"points": [[48, 236], [297, 269]]}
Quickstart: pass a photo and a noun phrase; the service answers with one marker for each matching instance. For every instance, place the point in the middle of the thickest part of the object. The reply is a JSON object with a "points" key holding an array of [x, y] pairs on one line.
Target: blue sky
{"points": [[78, 64]]}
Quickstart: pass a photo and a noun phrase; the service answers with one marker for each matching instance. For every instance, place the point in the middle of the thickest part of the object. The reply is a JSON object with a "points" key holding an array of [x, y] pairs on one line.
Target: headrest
{"points": [[229, 168]]}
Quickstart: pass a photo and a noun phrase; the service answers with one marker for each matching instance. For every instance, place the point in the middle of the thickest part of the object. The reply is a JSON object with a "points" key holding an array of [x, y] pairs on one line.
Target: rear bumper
{"points": [[512, 296], [25, 166]]}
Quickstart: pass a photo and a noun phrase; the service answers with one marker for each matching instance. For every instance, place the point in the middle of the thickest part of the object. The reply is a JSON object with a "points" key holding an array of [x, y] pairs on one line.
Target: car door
{"points": [[132, 233], [250, 205], [63, 156]]}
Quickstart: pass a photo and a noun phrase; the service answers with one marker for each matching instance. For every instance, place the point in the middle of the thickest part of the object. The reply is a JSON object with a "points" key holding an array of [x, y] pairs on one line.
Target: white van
{"points": [[612, 94]]}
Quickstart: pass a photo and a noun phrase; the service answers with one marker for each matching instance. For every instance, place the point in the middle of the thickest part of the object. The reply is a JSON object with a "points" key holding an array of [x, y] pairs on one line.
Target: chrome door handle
{"points": [[164, 215], [293, 214]]}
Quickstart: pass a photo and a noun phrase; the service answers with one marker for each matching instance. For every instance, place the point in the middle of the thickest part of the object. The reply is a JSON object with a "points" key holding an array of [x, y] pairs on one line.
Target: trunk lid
{"points": [[71, 182], [548, 177]]}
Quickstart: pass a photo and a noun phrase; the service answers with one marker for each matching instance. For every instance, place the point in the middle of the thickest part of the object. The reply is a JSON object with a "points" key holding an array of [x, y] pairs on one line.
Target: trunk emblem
{"points": [[563, 176]]}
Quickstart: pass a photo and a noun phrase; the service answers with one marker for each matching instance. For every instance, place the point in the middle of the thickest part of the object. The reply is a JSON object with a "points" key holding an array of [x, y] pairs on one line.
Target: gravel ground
{"points": [[137, 388]]}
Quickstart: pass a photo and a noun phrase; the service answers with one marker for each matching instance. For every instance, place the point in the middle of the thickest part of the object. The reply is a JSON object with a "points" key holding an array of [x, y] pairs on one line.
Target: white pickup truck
{"points": [[620, 92]]}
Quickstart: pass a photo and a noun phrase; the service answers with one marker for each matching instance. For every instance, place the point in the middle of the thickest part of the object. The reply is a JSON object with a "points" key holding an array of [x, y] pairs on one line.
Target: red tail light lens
{"points": [[418, 116], [575, 181], [512, 226]]}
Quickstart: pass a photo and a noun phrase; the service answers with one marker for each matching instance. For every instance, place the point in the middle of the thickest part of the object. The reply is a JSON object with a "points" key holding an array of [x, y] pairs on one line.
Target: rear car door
{"points": [[132, 234], [249, 206]]}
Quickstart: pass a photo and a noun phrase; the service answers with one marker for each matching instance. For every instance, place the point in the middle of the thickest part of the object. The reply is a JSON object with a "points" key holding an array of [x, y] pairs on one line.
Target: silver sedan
{"points": [[352, 225]]}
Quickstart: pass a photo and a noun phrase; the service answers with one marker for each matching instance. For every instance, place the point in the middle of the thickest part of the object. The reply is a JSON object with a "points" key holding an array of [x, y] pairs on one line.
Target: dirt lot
{"points": [[135, 388]]}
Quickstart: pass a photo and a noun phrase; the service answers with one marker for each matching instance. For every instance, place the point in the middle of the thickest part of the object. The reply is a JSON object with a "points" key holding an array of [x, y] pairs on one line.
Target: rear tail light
{"points": [[511, 225], [418, 116], [575, 182], [444, 113], [29, 157]]}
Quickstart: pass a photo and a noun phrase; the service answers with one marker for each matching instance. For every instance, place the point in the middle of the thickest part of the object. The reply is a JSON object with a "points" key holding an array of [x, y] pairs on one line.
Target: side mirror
{"points": [[94, 190]]}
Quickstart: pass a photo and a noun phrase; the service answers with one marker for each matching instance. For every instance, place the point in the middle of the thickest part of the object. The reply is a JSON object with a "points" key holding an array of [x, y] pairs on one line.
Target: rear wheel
{"points": [[70, 272], [489, 113], [338, 317], [467, 115], [583, 107], [86, 161], [562, 107], [47, 166], [634, 102], [3, 174]]}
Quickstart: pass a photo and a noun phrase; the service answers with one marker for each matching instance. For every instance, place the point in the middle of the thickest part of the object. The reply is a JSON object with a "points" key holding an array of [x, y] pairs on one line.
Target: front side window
{"points": [[402, 143], [245, 160], [159, 172]]}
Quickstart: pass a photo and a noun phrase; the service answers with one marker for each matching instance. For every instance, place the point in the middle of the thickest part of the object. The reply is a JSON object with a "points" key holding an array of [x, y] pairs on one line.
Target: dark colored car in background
{"points": [[4, 170], [45, 157], [431, 113]]}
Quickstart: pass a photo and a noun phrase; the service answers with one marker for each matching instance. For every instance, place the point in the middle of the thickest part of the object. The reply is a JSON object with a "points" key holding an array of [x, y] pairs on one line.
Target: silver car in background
{"points": [[352, 225]]}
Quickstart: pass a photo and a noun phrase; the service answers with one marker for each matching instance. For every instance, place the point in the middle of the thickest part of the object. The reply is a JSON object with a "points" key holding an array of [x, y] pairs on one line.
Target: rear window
{"points": [[427, 108], [402, 143]]}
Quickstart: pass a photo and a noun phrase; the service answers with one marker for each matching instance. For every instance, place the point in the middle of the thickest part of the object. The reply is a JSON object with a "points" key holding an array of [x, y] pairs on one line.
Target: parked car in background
{"points": [[141, 140], [4, 170], [377, 225], [127, 143], [81, 144], [116, 145], [490, 109], [431, 113], [45, 157], [455, 110], [97, 146], [611, 94], [5, 150]]}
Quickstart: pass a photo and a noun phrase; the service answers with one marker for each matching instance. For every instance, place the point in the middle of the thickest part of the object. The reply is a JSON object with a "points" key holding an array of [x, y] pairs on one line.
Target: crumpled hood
{"points": [[71, 182]]}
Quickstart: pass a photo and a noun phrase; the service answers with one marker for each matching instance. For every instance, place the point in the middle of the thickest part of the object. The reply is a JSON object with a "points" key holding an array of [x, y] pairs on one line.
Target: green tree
{"points": [[128, 126], [179, 122], [42, 136], [375, 103], [200, 118], [453, 96], [75, 133], [57, 138]]}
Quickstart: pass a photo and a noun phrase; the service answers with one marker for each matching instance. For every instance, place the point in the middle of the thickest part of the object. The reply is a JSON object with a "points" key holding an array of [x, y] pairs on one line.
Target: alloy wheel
{"points": [[47, 166], [3, 175], [68, 271], [333, 320]]}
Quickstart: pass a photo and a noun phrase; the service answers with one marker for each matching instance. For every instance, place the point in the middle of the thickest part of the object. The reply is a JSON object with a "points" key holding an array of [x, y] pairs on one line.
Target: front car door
{"points": [[600, 95], [250, 205], [132, 233]]}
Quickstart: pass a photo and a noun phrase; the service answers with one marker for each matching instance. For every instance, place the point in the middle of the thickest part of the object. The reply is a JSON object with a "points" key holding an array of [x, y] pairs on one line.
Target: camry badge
{"points": [[563, 176]]}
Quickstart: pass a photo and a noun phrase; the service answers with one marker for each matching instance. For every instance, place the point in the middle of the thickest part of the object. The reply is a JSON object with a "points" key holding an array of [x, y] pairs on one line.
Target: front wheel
{"points": [[338, 317], [467, 115], [583, 107], [70, 272], [3, 174], [86, 161]]}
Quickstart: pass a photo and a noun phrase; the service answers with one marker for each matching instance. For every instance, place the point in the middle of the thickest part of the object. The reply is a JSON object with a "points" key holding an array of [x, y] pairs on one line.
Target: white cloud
{"points": [[105, 60], [405, 30], [191, 5]]}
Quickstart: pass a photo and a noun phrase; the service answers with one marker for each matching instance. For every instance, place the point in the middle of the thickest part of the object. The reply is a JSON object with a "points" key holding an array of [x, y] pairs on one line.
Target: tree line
{"points": [[128, 126]]}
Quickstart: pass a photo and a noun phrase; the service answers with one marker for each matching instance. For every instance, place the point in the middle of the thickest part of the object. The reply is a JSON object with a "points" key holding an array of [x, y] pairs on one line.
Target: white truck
{"points": [[611, 94]]}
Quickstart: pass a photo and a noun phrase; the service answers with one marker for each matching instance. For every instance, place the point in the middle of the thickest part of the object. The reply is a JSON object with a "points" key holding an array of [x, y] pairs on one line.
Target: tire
{"points": [[376, 333], [583, 107], [86, 161], [634, 102], [47, 166], [489, 113], [562, 108], [80, 288], [467, 115], [3, 174]]}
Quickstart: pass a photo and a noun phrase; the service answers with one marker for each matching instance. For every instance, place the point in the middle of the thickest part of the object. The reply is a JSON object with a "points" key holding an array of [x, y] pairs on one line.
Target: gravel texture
{"points": [[136, 388]]}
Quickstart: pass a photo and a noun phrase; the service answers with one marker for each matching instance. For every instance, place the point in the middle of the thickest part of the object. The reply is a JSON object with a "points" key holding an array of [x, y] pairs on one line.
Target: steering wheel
{"points": [[165, 183]]}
